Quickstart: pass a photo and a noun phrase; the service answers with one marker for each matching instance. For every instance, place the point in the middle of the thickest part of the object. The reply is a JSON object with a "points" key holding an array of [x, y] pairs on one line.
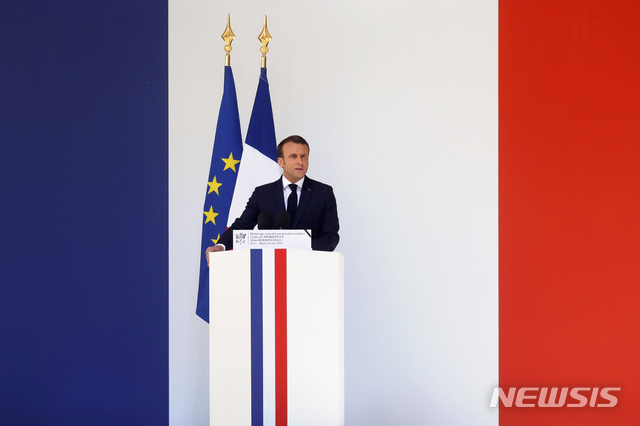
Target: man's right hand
{"points": [[212, 249]]}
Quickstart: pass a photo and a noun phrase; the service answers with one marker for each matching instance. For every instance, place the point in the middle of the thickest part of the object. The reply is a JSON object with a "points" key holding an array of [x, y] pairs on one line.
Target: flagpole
{"points": [[228, 37], [264, 38], [260, 157]]}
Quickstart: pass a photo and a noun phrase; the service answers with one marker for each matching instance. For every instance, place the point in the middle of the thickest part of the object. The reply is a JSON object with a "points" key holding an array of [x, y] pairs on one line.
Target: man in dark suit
{"points": [[311, 206]]}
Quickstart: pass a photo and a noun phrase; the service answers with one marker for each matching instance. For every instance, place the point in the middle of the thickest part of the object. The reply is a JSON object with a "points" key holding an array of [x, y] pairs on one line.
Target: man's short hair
{"points": [[294, 139]]}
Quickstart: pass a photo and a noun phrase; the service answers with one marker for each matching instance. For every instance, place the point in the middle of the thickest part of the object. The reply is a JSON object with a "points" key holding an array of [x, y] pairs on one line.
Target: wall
{"points": [[398, 101]]}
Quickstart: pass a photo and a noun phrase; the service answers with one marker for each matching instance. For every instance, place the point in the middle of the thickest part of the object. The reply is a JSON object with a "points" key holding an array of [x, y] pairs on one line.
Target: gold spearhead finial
{"points": [[264, 38], [228, 37]]}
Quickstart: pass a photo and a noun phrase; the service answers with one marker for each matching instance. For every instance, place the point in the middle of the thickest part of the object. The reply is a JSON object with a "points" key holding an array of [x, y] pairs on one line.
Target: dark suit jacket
{"points": [[317, 211]]}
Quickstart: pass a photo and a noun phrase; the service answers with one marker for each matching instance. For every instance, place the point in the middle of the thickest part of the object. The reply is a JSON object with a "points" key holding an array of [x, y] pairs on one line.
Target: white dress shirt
{"points": [[287, 191]]}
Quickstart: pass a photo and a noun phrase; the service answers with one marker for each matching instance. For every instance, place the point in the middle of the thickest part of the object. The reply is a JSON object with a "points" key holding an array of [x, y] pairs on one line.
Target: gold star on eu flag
{"points": [[215, 240], [213, 186], [211, 216], [230, 163]]}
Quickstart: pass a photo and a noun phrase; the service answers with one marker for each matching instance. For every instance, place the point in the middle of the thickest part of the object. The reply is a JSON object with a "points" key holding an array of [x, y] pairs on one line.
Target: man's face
{"points": [[294, 161]]}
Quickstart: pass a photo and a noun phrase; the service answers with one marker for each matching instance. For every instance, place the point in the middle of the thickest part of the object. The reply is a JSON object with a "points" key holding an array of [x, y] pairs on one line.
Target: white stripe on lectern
{"points": [[269, 337], [230, 339], [315, 338]]}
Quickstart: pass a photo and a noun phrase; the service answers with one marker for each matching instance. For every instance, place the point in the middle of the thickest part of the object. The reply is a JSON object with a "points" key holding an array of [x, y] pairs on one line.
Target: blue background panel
{"points": [[84, 173]]}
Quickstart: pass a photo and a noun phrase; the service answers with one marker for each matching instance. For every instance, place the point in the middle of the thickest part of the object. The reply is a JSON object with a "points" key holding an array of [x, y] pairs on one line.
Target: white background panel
{"points": [[399, 102]]}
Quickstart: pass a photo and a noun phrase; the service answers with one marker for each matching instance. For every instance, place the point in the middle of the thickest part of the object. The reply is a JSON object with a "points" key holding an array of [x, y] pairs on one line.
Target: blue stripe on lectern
{"points": [[256, 338]]}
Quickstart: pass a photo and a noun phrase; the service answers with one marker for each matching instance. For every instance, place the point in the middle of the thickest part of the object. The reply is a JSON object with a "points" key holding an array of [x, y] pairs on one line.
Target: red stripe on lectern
{"points": [[569, 191], [281, 335]]}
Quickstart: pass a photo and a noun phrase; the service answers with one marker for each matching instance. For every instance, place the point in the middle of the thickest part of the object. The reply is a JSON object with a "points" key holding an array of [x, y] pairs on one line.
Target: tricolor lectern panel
{"points": [[276, 323]]}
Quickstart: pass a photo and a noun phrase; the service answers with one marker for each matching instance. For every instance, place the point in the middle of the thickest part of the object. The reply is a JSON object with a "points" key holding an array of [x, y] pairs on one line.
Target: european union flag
{"points": [[225, 163]]}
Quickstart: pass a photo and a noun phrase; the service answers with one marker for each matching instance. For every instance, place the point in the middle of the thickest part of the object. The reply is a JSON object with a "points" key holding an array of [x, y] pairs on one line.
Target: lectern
{"points": [[276, 321]]}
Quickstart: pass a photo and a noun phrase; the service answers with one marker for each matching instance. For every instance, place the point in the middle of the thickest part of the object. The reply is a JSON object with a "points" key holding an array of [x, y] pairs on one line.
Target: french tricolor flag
{"points": [[104, 339], [276, 338], [259, 159]]}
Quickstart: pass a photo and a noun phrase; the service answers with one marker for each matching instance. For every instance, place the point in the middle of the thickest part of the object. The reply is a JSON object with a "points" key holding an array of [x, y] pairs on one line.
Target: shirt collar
{"points": [[286, 183]]}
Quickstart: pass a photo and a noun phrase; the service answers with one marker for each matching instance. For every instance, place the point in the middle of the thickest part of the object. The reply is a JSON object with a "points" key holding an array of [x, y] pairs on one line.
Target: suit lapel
{"points": [[278, 195]]}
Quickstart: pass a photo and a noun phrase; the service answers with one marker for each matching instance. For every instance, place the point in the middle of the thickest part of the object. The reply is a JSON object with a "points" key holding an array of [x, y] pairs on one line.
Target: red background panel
{"points": [[569, 124]]}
